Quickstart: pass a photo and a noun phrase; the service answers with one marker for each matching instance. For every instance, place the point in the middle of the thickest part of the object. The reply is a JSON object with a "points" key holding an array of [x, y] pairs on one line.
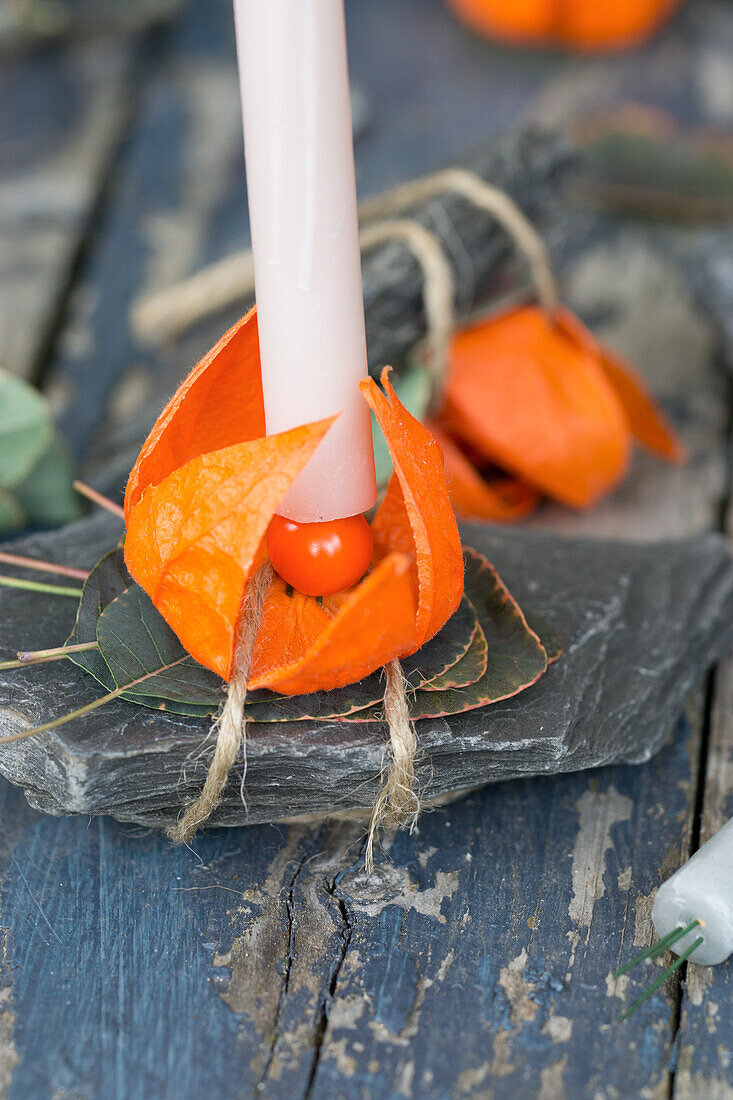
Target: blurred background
{"points": [[121, 174]]}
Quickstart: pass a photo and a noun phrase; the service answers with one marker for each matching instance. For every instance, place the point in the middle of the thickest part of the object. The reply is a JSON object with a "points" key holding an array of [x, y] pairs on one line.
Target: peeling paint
{"points": [[470, 1079], [390, 885], [598, 811], [519, 993], [551, 1080], [705, 1088], [9, 1056], [643, 928], [345, 1063], [617, 987], [559, 1029], [699, 981]]}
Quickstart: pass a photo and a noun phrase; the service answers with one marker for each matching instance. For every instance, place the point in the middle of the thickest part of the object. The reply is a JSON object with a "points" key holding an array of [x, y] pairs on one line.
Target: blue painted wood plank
{"points": [[478, 957]]}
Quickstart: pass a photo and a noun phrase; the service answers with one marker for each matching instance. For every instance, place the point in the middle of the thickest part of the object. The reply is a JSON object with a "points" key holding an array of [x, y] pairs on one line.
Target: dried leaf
{"points": [[426, 518], [193, 539], [649, 427], [413, 390]]}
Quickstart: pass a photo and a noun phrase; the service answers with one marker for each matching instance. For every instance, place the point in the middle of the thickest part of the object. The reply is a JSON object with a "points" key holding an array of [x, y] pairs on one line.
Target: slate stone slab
{"points": [[640, 624]]}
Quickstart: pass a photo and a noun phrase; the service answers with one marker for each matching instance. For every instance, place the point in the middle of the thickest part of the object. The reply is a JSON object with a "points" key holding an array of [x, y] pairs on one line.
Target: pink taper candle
{"points": [[302, 204]]}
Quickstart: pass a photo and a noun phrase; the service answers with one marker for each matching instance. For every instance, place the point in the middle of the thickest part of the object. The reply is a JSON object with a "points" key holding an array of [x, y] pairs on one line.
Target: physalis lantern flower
{"points": [[201, 497], [538, 399]]}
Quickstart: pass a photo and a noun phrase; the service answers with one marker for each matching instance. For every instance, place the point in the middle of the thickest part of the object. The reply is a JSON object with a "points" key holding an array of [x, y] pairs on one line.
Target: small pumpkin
{"points": [[576, 24], [198, 505]]}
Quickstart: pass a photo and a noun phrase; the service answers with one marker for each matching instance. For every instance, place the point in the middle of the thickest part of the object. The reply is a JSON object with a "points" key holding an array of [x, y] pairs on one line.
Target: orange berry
{"points": [[320, 558]]}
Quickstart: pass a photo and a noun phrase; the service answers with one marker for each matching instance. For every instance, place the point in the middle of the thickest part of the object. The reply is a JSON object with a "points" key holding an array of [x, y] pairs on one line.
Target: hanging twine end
{"points": [[398, 804]]}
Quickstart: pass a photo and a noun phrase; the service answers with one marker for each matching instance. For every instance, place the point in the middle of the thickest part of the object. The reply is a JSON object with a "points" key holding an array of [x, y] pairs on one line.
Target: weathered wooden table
{"points": [[478, 959]]}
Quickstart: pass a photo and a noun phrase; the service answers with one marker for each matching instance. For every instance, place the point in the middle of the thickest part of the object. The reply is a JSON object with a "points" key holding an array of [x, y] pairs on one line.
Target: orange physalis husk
{"points": [[198, 504], [542, 400], [503, 499]]}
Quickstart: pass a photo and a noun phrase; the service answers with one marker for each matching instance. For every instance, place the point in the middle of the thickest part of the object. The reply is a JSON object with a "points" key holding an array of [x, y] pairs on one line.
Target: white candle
{"points": [[302, 203], [701, 891]]}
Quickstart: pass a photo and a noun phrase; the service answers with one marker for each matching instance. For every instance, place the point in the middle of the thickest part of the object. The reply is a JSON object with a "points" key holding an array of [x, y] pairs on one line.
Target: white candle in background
{"points": [[302, 203], [701, 891]]}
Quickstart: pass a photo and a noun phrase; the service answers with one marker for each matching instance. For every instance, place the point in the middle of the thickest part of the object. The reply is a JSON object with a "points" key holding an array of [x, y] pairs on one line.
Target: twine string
{"points": [[438, 289], [230, 725], [486, 197], [398, 803], [170, 312]]}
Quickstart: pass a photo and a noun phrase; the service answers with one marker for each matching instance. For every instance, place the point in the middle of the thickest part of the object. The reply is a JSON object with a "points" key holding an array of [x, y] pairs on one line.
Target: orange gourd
{"points": [[578, 24], [198, 505]]}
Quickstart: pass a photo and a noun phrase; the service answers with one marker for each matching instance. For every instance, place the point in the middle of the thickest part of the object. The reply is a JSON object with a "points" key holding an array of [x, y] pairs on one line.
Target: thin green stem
{"points": [[37, 586], [662, 978], [64, 718], [89, 707], [44, 656], [668, 941], [656, 949]]}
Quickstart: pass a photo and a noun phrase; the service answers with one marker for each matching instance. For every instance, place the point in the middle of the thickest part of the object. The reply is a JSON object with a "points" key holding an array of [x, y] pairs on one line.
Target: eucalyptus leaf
{"points": [[25, 429], [12, 516], [47, 496], [35, 471]]}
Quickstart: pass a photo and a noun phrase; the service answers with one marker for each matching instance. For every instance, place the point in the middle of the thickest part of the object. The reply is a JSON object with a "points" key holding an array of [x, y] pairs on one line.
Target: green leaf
{"points": [[107, 580], [12, 516], [412, 386], [471, 667], [26, 429], [35, 471], [641, 162], [47, 494], [484, 653], [437, 657], [516, 656], [145, 656], [550, 638]]}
